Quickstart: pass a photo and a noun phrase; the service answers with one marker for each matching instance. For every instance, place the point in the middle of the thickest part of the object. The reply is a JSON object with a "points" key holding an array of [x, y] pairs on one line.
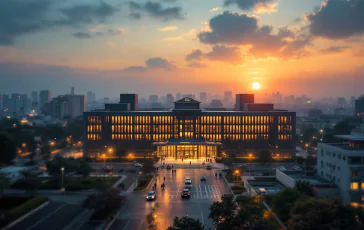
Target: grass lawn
{"points": [[143, 183], [71, 183]]}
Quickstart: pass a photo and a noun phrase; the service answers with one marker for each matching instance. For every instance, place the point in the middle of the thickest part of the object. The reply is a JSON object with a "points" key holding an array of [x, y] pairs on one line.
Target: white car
{"points": [[296, 168], [188, 182], [282, 168], [138, 165]]}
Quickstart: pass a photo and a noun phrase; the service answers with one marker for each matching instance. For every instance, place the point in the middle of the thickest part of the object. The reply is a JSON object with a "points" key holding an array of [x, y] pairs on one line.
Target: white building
{"points": [[343, 164]]}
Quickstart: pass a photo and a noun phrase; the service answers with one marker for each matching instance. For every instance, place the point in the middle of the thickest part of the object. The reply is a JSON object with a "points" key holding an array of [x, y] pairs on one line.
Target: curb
{"points": [[122, 178], [112, 220], [227, 183], [26, 215], [147, 186]]}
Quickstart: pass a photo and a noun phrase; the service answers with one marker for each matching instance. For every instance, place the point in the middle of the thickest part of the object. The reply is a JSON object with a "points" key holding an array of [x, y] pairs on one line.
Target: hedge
{"points": [[22, 209]]}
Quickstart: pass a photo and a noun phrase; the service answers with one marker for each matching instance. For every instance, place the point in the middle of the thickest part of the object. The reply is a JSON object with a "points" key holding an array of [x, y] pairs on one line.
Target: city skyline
{"points": [[295, 47]]}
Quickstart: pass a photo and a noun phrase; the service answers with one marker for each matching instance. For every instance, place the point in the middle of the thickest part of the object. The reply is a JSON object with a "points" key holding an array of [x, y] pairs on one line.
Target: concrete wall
{"points": [[285, 179]]}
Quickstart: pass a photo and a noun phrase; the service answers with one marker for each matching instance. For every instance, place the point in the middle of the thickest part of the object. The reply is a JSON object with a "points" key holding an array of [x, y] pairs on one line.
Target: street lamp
{"points": [[104, 156], [237, 173], [110, 150], [62, 173]]}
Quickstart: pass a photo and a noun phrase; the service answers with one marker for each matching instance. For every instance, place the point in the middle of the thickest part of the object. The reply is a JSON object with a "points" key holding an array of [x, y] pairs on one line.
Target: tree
{"points": [[105, 203], [148, 167], [223, 215], [7, 147], [283, 201], [80, 166], [228, 162], [316, 214], [300, 160], [186, 223], [265, 156], [45, 151], [310, 161], [304, 187]]}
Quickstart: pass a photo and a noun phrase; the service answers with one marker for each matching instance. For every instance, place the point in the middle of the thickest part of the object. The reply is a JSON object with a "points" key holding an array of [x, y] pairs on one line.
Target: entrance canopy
{"points": [[187, 149]]}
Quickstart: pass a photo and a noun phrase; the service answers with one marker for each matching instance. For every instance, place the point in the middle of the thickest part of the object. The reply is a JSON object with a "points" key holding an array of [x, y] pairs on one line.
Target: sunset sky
{"points": [[310, 47]]}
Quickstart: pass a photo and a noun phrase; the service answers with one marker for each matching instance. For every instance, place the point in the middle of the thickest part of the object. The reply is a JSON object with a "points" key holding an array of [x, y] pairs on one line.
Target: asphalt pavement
{"points": [[169, 203], [55, 216]]}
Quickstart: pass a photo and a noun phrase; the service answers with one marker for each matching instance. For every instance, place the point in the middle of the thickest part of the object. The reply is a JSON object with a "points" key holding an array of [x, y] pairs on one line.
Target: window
{"points": [[343, 157], [354, 185], [362, 185], [322, 152], [354, 173], [362, 197]]}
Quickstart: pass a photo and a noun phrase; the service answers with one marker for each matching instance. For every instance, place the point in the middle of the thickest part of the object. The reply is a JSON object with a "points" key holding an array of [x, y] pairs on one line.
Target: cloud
{"points": [[334, 49], [189, 35], [240, 29], [155, 10], [258, 6], [95, 33], [153, 63], [196, 65], [218, 53], [215, 9], [81, 35], [111, 43], [18, 18], [168, 28], [337, 19]]}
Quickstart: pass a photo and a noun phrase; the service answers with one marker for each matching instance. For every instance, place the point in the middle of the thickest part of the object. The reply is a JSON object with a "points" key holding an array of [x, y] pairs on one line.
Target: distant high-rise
{"points": [[178, 96], [216, 103], [44, 97], [169, 100], [91, 96], [35, 96], [228, 97], [66, 105], [203, 97], [73, 91], [153, 99], [359, 106]]}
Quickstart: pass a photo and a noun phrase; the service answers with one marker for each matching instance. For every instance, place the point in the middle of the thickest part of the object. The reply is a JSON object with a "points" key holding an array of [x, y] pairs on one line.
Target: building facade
{"points": [[343, 164], [188, 131]]}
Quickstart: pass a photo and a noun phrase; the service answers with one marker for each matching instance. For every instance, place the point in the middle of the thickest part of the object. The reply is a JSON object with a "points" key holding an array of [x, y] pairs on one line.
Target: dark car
{"points": [[108, 169], [151, 195], [203, 178], [208, 167], [186, 193]]}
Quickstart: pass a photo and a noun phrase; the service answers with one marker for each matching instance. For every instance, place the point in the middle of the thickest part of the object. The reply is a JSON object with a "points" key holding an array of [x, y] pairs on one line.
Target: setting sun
{"points": [[256, 85]]}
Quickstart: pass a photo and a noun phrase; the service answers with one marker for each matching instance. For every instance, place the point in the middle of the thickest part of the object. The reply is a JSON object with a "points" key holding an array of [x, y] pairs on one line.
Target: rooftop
{"points": [[298, 175], [351, 137]]}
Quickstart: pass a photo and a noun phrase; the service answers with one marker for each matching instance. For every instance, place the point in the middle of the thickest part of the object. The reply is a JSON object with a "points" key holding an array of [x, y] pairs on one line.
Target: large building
{"points": [[188, 131], [66, 106], [44, 97], [343, 164], [359, 106]]}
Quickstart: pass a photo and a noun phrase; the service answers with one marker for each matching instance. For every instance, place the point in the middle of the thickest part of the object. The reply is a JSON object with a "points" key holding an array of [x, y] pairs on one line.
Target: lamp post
{"points": [[237, 173], [104, 156], [322, 134], [62, 172]]}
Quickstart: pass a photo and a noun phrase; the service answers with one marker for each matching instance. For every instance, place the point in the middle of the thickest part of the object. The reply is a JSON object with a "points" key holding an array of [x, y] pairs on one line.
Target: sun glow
{"points": [[256, 85]]}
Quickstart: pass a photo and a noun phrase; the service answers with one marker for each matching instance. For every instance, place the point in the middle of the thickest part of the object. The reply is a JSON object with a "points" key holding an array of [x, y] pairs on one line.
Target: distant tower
{"points": [[73, 91]]}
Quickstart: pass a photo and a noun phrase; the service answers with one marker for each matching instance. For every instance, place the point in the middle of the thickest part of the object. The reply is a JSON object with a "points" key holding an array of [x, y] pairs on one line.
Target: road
{"points": [[169, 203], [55, 216]]}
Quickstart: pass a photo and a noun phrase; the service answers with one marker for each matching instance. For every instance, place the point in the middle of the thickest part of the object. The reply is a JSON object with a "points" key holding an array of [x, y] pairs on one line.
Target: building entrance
{"points": [[187, 150]]}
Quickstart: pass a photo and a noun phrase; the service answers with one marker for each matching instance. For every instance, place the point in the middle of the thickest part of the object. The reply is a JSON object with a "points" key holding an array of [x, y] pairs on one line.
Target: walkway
{"points": [[195, 163]]}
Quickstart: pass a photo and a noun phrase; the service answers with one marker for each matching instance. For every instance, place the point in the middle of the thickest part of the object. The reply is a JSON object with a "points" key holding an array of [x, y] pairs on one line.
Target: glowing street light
{"points": [[104, 156], [110, 150], [62, 172]]}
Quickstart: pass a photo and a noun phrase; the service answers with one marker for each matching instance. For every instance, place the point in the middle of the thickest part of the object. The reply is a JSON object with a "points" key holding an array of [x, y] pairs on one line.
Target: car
{"points": [[282, 168], [108, 169], [151, 195], [137, 165], [244, 166], [188, 183], [296, 168], [186, 193], [203, 178], [208, 167]]}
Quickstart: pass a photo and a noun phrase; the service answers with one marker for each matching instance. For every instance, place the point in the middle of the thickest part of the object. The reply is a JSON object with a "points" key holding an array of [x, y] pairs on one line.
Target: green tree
{"points": [[228, 162], [316, 214], [265, 156], [80, 166], [7, 147], [186, 223], [283, 201], [148, 167], [310, 161], [300, 160], [223, 215], [304, 187], [151, 220]]}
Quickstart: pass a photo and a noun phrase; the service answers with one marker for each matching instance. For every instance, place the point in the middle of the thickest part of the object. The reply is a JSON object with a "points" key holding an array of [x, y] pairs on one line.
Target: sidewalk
{"points": [[195, 163]]}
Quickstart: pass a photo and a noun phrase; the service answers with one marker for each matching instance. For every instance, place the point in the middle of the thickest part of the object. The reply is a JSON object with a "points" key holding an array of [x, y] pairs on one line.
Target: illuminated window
{"points": [[362, 185], [354, 185]]}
